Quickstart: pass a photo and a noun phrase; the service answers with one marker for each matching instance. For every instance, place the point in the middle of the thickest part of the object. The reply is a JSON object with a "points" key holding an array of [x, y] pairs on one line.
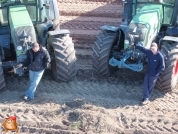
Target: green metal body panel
{"points": [[15, 22], [15, 13], [168, 8], [151, 15]]}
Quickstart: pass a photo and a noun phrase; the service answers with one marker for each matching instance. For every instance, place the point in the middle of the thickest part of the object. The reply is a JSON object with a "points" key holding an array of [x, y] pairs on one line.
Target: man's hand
{"points": [[19, 65]]}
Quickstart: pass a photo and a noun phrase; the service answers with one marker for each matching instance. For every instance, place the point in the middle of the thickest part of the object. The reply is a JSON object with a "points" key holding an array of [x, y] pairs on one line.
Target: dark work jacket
{"points": [[156, 62], [37, 61]]}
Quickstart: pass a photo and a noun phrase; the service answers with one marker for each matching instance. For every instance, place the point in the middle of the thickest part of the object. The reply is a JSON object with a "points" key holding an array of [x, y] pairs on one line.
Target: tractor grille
{"points": [[29, 30], [137, 29]]}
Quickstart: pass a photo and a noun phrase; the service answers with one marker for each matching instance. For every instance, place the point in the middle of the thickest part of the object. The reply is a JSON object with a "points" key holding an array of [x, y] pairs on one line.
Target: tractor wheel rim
{"points": [[176, 69], [175, 74]]}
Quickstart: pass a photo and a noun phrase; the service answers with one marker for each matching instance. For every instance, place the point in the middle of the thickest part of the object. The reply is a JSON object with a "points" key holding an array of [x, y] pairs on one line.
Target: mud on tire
{"points": [[63, 61], [2, 80], [101, 53], [168, 79]]}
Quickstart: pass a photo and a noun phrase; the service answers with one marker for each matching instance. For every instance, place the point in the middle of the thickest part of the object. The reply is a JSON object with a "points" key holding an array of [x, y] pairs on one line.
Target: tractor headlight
{"points": [[19, 48]]}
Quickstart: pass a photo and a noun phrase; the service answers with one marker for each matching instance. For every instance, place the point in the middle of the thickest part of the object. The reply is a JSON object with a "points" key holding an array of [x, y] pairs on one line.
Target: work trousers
{"points": [[148, 85], [35, 78]]}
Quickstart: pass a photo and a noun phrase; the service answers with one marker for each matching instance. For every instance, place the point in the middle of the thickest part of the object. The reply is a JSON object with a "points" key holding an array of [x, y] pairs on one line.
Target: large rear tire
{"points": [[63, 59], [167, 81], [2, 80], [102, 53]]}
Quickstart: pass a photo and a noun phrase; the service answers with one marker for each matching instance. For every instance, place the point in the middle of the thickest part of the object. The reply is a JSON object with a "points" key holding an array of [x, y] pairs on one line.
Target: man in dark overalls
{"points": [[156, 65], [37, 60]]}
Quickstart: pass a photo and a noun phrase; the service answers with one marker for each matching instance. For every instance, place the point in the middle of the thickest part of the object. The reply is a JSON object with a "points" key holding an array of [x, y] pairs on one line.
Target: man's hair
{"points": [[35, 44], [154, 45]]}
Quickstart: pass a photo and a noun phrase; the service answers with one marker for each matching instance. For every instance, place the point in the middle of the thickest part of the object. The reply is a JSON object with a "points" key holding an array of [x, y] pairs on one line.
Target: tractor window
{"points": [[4, 6], [168, 2], [3, 17], [32, 12], [167, 5], [141, 3], [139, 6], [168, 12], [4, 3], [31, 9]]}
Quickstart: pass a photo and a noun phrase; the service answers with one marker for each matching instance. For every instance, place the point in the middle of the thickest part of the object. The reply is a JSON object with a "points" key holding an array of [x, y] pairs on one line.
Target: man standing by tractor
{"points": [[37, 60], [155, 66]]}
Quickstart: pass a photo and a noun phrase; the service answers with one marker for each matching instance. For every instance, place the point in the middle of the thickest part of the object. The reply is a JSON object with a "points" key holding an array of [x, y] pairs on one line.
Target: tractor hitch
{"points": [[124, 62]]}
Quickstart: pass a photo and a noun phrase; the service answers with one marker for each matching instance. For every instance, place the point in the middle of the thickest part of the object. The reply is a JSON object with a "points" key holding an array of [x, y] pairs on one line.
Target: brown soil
{"points": [[89, 104]]}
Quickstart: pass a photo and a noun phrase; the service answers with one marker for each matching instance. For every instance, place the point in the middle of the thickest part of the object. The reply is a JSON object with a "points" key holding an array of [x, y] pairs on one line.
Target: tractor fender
{"points": [[170, 38], [42, 30], [57, 32], [122, 27], [167, 38], [109, 28], [172, 31]]}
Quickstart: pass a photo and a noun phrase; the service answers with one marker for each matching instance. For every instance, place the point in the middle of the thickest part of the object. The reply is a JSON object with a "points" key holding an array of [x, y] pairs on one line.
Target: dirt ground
{"points": [[89, 105]]}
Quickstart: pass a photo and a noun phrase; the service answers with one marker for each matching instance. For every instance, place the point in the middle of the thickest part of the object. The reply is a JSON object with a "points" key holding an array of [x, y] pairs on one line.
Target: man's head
{"points": [[35, 47], [154, 48]]}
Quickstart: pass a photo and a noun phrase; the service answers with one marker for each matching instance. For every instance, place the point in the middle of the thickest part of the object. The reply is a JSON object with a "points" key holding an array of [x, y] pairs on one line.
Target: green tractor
{"points": [[23, 22], [144, 21]]}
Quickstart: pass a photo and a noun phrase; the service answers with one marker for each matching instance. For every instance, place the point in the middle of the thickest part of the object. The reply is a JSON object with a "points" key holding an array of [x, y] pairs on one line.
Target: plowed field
{"points": [[89, 104]]}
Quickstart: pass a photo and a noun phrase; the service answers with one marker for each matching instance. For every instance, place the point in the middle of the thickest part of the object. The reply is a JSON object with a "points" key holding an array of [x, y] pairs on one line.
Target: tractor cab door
{"points": [[4, 33]]}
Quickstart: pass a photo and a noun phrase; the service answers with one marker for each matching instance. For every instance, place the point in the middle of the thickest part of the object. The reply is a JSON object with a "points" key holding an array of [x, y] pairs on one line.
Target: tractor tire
{"points": [[2, 80], [63, 59], [102, 53], [169, 77]]}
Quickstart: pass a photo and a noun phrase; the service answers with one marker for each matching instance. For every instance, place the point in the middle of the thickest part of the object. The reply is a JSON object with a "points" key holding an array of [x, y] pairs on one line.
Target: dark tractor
{"points": [[144, 21], [23, 22]]}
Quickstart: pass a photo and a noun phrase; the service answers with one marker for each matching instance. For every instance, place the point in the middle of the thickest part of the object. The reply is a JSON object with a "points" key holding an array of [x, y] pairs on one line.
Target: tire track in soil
{"points": [[84, 29], [103, 104], [55, 101]]}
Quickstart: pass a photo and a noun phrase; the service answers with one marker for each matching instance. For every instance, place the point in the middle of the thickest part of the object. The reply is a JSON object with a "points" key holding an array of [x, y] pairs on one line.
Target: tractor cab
{"points": [[23, 22], [132, 7], [4, 9], [19, 21], [148, 18]]}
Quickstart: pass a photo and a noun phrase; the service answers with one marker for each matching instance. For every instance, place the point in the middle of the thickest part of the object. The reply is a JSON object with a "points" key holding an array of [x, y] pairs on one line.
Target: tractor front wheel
{"points": [[168, 79], [102, 53], [63, 59], [2, 80]]}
